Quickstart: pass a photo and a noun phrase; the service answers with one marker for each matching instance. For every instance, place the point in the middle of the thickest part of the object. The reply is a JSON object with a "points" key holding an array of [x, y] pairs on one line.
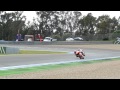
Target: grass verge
{"points": [[39, 52], [49, 67], [36, 52]]}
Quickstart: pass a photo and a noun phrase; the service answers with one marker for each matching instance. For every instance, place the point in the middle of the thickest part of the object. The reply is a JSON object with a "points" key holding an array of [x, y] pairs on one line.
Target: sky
{"points": [[31, 14], [99, 13]]}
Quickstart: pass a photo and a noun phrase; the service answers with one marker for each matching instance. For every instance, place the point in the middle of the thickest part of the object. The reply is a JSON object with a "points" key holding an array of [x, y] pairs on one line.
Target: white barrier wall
{"points": [[9, 50]]}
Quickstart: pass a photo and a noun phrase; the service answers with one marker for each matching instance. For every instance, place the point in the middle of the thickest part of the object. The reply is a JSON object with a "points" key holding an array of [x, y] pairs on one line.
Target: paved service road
{"points": [[15, 60]]}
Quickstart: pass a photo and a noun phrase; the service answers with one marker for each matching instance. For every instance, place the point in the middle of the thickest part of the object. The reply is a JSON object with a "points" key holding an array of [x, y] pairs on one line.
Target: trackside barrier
{"points": [[9, 50], [2, 50], [56, 42]]}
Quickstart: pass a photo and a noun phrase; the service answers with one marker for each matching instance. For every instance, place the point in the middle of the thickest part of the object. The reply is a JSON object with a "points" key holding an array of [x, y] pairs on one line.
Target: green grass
{"points": [[39, 52], [49, 67], [36, 52]]}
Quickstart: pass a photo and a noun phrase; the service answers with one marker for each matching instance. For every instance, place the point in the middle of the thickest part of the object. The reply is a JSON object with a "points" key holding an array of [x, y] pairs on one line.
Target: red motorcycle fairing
{"points": [[80, 55]]}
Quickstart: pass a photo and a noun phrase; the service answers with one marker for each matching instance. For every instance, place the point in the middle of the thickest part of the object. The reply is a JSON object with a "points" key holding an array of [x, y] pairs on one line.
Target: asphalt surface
{"points": [[20, 59]]}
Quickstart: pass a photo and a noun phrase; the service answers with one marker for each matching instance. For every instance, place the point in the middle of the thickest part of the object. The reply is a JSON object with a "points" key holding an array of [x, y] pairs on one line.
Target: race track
{"points": [[16, 60]]}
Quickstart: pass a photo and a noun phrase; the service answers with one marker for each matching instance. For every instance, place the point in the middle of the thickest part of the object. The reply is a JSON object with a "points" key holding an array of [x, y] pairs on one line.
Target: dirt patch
{"points": [[103, 70]]}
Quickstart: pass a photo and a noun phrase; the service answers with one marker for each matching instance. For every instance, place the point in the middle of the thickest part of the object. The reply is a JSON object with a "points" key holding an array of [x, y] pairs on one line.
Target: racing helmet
{"points": [[80, 50]]}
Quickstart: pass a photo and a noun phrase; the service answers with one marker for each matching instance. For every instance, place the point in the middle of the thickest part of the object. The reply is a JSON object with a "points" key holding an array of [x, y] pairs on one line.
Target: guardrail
{"points": [[56, 42], [2, 50], [9, 50]]}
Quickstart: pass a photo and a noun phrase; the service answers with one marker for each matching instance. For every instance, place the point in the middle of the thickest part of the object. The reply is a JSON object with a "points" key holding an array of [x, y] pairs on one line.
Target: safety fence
{"points": [[2, 50], [9, 50], [57, 42]]}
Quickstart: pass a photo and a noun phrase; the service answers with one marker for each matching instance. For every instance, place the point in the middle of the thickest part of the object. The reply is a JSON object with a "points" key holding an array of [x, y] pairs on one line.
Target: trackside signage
{"points": [[2, 50]]}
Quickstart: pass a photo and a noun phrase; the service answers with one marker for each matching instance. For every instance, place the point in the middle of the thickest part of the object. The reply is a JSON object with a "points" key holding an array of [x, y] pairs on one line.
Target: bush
{"points": [[117, 31], [66, 35], [57, 37], [105, 39], [116, 34]]}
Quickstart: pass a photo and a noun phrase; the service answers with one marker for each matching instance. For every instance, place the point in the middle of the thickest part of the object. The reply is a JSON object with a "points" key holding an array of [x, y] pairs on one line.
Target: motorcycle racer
{"points": [[78, 52]]}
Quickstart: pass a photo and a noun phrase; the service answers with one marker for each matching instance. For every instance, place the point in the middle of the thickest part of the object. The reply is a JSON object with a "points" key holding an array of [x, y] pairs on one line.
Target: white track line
{"points": [[53, 63]]}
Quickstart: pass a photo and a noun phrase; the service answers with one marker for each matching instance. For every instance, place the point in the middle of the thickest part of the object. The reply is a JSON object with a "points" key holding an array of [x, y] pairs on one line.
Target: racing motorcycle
{"points": [[80, 54]]}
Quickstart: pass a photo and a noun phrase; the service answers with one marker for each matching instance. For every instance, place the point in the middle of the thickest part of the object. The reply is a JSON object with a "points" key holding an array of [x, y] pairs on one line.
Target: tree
{"points": [[11, 23], [105, 25], [44, 20], [87, 26]]}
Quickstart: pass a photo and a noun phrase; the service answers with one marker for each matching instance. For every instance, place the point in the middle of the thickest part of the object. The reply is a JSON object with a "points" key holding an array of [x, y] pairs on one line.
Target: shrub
{"points": [[57, 37], [105, 39]]}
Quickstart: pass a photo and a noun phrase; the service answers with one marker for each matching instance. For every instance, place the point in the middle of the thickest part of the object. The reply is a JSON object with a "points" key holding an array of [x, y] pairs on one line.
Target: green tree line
{"points": [[60, 25]]}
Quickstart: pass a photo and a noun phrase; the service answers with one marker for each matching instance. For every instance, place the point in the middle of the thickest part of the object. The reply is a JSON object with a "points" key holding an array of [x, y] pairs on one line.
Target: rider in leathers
{"points": [[79, 51]]}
